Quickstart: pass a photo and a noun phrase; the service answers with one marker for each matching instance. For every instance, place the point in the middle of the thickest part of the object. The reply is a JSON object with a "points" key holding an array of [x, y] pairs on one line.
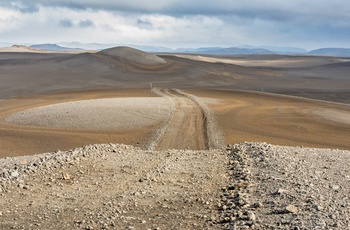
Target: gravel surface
{"points": [[98, 114], [274, 187], [246, 186]]}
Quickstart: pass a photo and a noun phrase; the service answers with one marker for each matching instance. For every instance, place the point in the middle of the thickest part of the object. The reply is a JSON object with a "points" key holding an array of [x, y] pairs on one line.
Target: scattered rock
{"points": [[291, 209], [251, 216], [15, 174], [65, 176], [335, 187], [281, 191]]}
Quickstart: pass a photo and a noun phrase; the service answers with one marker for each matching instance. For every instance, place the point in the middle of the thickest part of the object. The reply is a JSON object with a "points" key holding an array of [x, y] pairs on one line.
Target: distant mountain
{"points": [[100, 46], [220, 50], [196, 50], [236, 50], [336, 52], [277, 49], [86, 46], [246, 49], [51, 47], [152, 49]]}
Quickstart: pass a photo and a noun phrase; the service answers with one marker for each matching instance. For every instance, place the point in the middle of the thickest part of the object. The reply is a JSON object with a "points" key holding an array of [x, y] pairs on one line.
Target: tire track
{"points": [[187, 129]]}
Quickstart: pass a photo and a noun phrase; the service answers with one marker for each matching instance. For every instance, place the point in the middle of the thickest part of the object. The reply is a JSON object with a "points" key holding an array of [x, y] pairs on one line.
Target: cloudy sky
{"points": [[308, 24]]}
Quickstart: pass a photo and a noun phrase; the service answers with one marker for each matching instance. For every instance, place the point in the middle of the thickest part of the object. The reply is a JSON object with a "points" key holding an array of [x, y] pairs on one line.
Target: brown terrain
{"points": [[178, 112]]}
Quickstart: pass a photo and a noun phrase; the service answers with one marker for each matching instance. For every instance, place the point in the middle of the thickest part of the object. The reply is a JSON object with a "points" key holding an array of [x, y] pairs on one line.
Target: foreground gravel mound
{"points": [[134, 55], [112, 186]]}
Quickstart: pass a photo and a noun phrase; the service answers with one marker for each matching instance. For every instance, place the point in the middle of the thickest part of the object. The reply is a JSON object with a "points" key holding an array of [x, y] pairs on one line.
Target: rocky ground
{"points": [[275, 187], [98, 114], [246, 186]]}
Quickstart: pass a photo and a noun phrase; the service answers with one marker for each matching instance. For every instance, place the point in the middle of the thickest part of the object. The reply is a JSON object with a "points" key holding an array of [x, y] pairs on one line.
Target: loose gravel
{"points": [[111, 186], [275, 187], [98, 114]]}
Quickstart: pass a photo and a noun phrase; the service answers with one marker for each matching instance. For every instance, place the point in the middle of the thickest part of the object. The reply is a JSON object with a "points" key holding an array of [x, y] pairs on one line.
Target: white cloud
{"points": [[8, 18], [177, 22]]}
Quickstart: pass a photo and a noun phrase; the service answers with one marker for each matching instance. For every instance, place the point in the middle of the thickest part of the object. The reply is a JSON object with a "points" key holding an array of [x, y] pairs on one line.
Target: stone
{"points": [[15, 174], [335, 187], [65, 176], [291, 209], [281, 191], [251, 216], [318, 207]]}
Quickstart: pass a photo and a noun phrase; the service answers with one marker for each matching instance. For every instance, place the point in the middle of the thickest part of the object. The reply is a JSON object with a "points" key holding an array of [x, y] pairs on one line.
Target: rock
{"points": [[251, 216], [318, 207], [257, 205], [15, 174], [281, 191], [65, 176], [335, 187], [291, 209]]}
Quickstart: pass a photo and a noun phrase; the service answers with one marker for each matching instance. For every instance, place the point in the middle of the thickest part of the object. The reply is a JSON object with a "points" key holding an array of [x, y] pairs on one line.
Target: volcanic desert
{"points": [[124, 139]]}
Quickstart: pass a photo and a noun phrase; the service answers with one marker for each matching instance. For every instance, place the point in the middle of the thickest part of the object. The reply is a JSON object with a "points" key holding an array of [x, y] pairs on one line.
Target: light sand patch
{"points": [[25, 49], [283, 62], [333, 115], [98, 114]]}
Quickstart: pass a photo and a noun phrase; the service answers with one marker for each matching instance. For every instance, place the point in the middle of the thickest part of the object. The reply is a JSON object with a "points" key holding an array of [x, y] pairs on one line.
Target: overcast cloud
{"points": [[178, 23]]}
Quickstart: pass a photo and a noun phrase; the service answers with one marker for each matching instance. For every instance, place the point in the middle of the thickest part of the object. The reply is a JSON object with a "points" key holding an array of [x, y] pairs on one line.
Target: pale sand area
{"points": [[333, 115], [25, 49], [98, 114], [285, 61]]}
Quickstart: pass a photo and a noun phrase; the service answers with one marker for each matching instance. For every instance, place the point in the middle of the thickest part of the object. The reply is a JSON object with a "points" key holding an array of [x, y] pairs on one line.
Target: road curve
{"points": [[187, 129]]}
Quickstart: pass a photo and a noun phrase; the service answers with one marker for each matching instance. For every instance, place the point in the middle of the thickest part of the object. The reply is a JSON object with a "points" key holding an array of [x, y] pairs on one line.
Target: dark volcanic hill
{"points": [[134, 55]]}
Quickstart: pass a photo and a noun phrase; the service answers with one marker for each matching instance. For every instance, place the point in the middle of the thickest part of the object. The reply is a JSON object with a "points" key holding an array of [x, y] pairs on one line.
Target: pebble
{"points": [[291, 209], [14, 174], [251, 216], [281, 191], [335, 187]]}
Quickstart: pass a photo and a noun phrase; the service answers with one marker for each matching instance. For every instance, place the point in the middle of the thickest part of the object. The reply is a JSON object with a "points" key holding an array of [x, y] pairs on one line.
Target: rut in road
{"points": [[187, 129]]}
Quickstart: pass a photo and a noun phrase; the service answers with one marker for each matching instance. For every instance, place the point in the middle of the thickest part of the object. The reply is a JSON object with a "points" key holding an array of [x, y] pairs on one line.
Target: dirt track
{"points": [[187, 128]]}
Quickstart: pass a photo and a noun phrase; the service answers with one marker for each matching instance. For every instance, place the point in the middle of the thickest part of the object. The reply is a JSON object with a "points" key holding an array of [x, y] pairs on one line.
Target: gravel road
{"points": [[247, 185]]}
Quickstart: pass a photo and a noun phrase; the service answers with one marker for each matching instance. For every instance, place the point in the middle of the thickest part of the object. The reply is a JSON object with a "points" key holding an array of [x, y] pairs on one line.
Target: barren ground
{"points": [[192, 182]]}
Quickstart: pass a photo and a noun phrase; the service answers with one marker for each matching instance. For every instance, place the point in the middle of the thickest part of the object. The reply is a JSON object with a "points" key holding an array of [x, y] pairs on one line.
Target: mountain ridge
{"points": [[235, 50]]}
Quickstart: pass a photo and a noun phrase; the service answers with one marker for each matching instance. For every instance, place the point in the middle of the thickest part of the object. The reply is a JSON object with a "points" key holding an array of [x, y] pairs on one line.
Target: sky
{"points": [[308, 24]]}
